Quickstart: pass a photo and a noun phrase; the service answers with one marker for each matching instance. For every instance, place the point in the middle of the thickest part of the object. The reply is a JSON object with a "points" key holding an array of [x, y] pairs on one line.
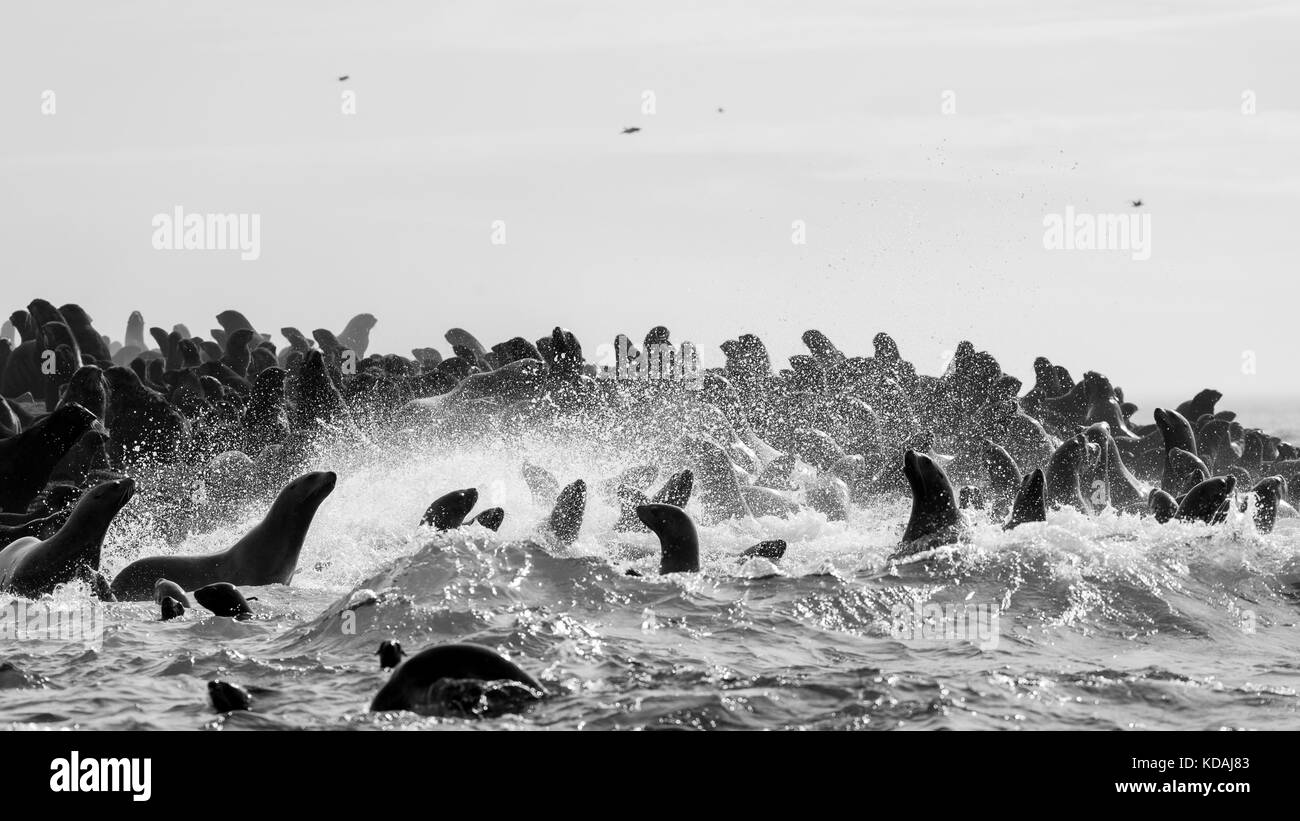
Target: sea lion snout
{"points": [[1092, 453]]}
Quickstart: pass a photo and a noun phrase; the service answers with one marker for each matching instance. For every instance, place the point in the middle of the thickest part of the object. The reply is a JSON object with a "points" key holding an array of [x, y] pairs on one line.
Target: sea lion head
{"points": [[678, 542], [935, 519], [111, 496], [310, 489], [449, 510]]}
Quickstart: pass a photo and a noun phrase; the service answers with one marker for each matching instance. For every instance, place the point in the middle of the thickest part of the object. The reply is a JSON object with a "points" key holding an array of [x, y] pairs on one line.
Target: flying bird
{"points": [[631, 129], [1136, 203], [344, 77]]}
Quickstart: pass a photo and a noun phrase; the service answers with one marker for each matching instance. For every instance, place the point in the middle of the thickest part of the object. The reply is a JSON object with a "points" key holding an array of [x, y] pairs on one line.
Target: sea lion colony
{"points": [[85, 418]]}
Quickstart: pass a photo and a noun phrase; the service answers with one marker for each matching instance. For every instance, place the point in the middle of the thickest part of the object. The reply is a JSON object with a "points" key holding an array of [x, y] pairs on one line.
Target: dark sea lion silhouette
{"points": [[935, 519], [1030, 504], [449, 510], [679, 544], [1064, 470], [412, 685], [171, 608], [772, 549], [227, 697], [1207, 502], [32, 567], [267, 554], [390, 654], [491, 518], [224, 599], [1268, 492], [1161, 505], [28, 459], [1004, 477]]}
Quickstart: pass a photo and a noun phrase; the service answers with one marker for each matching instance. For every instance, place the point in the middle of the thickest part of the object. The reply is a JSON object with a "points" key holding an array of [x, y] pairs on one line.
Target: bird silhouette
{"points": [[344, 77], [1136, 203], [631, 129]]}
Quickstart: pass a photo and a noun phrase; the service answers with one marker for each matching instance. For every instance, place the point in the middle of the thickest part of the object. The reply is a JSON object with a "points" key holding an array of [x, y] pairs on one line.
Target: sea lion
{"points": [[679, 544], [1030, 504], [676, 491], [1202, 403], [227, 697], [1268, 493], [764, 501], [466, 346], [637, 476], [449, 510], [1207, 502], [566, 517], [719, 490], [1218, 451], [171, 608], [141, 422], [542, 484], [776, 473], [828, 496], [238, 355], [89, 340], [224, 599], [356, 336], [1183, 471], [772, 549], [390, 654], [935, 519], [491, 518], [1175, 430], [1162, 506], [1004, 477], [232, 320], [86, 459], [28, 459], [412, 684], [267, 554], [1109, 481], [317, 401], [42, 528], [515, 349], [32, 567], [1104, 406], [1071, 459], [166, 588], [89, 389]]}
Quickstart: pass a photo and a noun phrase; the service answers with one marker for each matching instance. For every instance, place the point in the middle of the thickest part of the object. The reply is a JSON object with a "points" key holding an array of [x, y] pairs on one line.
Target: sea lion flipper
{"points": [[772, 549]]}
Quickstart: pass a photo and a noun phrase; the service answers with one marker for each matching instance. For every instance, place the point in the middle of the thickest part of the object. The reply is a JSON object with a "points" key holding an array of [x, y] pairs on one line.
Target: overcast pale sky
{"points": [[925, 224]]}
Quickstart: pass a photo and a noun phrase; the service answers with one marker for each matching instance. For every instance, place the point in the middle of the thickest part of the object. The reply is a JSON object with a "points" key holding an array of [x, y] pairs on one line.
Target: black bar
{"points": [[965, 771]]}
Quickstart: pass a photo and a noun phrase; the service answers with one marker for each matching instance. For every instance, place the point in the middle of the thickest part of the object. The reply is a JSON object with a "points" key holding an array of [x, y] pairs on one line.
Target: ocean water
{"points": [[1100, 622]]}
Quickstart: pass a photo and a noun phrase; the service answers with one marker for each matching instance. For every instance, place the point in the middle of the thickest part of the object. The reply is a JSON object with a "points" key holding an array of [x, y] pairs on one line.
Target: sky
{"points": [[917, 147]]}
